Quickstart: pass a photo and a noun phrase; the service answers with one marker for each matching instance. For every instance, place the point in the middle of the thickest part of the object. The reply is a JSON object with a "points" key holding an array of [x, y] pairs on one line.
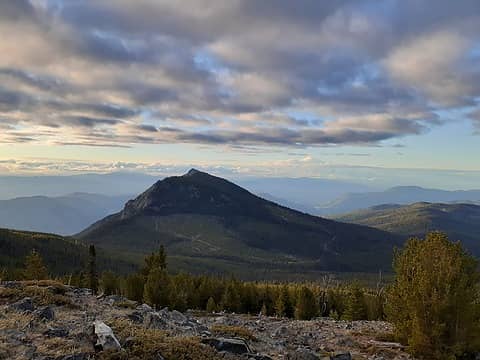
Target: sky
{"points": [[355, 90]]}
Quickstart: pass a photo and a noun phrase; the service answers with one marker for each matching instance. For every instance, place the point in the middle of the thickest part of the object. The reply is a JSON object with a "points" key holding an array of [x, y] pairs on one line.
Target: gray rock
{"points": [[144, 308], [23, 305], [177, 317], [45, 313], [106, 340], [234, 346], [136, 317], [56, 332], [341, 356], [154, 321]]}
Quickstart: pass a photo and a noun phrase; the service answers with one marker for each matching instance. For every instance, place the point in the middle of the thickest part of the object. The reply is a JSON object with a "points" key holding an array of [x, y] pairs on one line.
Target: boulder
{"points": [[136, 317], [105, 339], [56, 332], [153, 320], [46, 313], [26, 304], [234, 346], [341, 356]]}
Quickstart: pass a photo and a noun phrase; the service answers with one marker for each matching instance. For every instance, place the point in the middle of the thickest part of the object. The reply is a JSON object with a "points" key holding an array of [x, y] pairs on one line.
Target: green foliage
{"points": [[110, 283], [92, 269], [283, 304], [306, 308], [35, 269], [355, 309], [231, 298], [134, 284], [432, 302], [211, 305], [156, 260], [156, 291]]}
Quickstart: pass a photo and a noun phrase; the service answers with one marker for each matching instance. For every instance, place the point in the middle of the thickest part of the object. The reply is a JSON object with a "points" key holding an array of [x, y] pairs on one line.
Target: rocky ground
{"points": [[49, 321]]}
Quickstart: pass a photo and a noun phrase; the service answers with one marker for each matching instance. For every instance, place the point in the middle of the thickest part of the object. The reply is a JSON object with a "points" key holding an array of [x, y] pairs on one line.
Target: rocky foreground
{"points": [[49, 321]]}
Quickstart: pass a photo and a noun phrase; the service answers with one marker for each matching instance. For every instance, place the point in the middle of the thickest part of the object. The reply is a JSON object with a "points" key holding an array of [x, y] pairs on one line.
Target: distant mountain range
{"points": [[460, 221], [210, 224], [398, 195], [63, 215], [111, 184]]}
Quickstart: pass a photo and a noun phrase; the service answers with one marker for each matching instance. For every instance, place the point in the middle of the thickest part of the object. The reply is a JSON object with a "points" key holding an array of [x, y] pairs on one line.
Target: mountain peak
{"points": [[192, 172]]}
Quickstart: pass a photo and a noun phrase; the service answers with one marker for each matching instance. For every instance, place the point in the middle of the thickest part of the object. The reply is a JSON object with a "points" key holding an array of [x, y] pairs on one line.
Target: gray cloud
{"points": [[242, 73]]}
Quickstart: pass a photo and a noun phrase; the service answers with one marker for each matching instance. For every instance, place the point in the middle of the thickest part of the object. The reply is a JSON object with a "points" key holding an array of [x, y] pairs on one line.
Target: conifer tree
{"points": [[156, 260], [433, 300], [283, 305], [211, 305], [134, 284], [231, 298], [35, 269], [156, 291], [110, 283], [306, 307], [355, 308], [92, 269]]}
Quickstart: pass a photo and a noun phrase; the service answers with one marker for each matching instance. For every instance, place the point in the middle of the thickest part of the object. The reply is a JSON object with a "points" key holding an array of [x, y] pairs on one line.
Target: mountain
{"points": [[61, 215], [303, 194], [210, 224], [62, 255], [59, 185], [398, 195], [459, 221]]}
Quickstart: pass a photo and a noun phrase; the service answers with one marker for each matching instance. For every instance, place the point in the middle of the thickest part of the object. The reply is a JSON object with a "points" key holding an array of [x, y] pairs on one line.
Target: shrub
{"points": [[432, 302], [233, 331]]}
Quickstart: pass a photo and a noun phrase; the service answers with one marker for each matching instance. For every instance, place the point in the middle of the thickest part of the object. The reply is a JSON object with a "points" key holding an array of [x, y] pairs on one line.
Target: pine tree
{"points": [[433, 300], [156, 291], [306, 307], [283, 305], [211, 305], [110, 283], [355, 309], [231, 298], [134, 284], [156, 260], [35, 269], [92, 269]]}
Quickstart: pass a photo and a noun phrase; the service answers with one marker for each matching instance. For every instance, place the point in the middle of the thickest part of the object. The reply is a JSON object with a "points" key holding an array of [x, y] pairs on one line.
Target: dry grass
{"points": [[149, 343], [233, 331], [56, 347], [15, 321]]}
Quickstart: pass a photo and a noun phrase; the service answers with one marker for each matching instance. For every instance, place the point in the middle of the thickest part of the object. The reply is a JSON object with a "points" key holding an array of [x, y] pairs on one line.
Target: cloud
{"points": [[242, 73]]}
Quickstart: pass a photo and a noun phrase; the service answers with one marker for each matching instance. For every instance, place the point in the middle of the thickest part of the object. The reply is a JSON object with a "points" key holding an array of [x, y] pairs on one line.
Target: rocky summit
{"points": [[48, 321]]}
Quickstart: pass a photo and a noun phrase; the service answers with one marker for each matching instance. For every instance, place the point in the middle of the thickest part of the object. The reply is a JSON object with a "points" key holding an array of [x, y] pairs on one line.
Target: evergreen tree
{"points": [[156, 260], [92, 269], [156, 291], [231, 298], [110, 283], [306, 307], [355, 308], [433, 300], [35, 269], [211, 305], [283, 305], [134, 284]]}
